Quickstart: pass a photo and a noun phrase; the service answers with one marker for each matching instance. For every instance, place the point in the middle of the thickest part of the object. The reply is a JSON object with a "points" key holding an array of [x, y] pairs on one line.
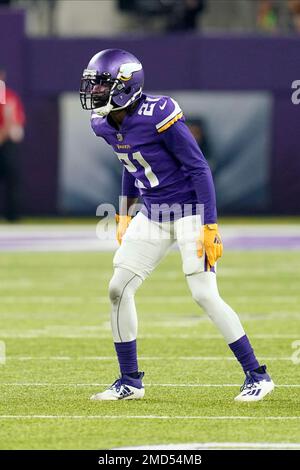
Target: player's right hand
{"points": [[210, 241], [122, 223]]}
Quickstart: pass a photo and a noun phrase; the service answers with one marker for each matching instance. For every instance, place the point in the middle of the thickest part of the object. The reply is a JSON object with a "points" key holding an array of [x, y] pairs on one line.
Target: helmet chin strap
{"points": [[104, 110], [108, 108]]}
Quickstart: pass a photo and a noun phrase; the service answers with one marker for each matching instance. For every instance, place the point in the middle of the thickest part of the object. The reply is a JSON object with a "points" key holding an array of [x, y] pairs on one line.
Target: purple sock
{"points": [[127, 357], [244, 353]]}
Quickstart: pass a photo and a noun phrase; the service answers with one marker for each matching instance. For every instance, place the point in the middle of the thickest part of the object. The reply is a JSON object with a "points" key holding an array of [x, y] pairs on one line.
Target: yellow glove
{"points": [[210, 241], [123, 221]]}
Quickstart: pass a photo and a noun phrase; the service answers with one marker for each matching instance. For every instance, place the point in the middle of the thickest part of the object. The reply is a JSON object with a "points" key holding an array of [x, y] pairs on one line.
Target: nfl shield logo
{"points": [[119, 137]]}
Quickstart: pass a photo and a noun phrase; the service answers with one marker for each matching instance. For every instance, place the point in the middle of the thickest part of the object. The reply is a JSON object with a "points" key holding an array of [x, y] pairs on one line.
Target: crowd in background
{"points": [[269, 15], [112, 17]]}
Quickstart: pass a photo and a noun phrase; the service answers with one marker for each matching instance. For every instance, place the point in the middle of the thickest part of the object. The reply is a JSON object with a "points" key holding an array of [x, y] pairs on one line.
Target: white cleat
{"points": [[256, 386], [124, 388]]}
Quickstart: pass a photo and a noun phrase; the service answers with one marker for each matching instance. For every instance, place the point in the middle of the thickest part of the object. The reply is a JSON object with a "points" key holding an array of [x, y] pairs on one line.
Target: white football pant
{"points": [[144, 245]]}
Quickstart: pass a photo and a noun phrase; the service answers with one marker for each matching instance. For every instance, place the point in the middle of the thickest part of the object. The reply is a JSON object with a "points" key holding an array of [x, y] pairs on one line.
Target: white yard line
{"points": [[185, 417], [218, 445], [143, 358], [46, 384], [146, 299], [78, 332]]}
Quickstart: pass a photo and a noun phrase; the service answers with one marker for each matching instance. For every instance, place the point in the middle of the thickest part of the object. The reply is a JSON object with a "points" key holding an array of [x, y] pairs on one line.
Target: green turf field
{"points": [[55, 324]]}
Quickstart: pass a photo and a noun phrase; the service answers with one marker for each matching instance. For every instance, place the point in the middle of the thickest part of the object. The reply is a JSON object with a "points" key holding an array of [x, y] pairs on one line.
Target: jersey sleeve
{"points": [[180, 142], [167, 112], [128, 184]]}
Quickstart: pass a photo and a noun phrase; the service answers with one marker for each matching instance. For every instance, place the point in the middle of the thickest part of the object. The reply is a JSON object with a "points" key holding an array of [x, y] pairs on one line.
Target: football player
{"points": [[162, 164]]}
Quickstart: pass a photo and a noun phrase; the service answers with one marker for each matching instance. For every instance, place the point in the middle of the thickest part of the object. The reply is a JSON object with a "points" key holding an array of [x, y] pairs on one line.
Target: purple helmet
{"points": [[113, 80]]}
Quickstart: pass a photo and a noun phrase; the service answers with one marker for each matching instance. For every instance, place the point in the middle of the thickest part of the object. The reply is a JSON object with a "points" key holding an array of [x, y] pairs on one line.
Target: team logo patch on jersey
{"points": [[119, 137]]}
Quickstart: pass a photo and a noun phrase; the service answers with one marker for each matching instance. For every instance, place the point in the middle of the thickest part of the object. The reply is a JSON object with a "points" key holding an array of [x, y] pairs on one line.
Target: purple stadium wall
{"points": [[41, 69]]}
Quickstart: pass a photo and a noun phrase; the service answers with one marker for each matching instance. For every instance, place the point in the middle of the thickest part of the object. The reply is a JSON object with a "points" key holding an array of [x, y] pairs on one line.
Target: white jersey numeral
{"points": [[147, 109], [151, 177], [128, 164]]}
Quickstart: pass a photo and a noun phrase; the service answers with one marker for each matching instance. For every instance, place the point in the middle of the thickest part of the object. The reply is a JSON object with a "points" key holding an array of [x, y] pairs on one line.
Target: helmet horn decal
{"points": [[127, 70]]}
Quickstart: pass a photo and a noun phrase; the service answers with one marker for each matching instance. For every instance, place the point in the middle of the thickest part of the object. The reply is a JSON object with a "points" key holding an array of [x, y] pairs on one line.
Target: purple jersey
{"points": [[162, 161]]}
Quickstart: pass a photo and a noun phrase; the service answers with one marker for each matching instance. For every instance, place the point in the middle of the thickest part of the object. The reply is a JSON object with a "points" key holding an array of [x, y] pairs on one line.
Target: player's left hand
{"points": [[210, 241], [122, 223]]}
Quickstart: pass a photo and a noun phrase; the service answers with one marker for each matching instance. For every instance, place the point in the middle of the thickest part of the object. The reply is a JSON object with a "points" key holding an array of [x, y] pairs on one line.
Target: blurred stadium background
{"points": [[231, 64], [232, 68]]}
